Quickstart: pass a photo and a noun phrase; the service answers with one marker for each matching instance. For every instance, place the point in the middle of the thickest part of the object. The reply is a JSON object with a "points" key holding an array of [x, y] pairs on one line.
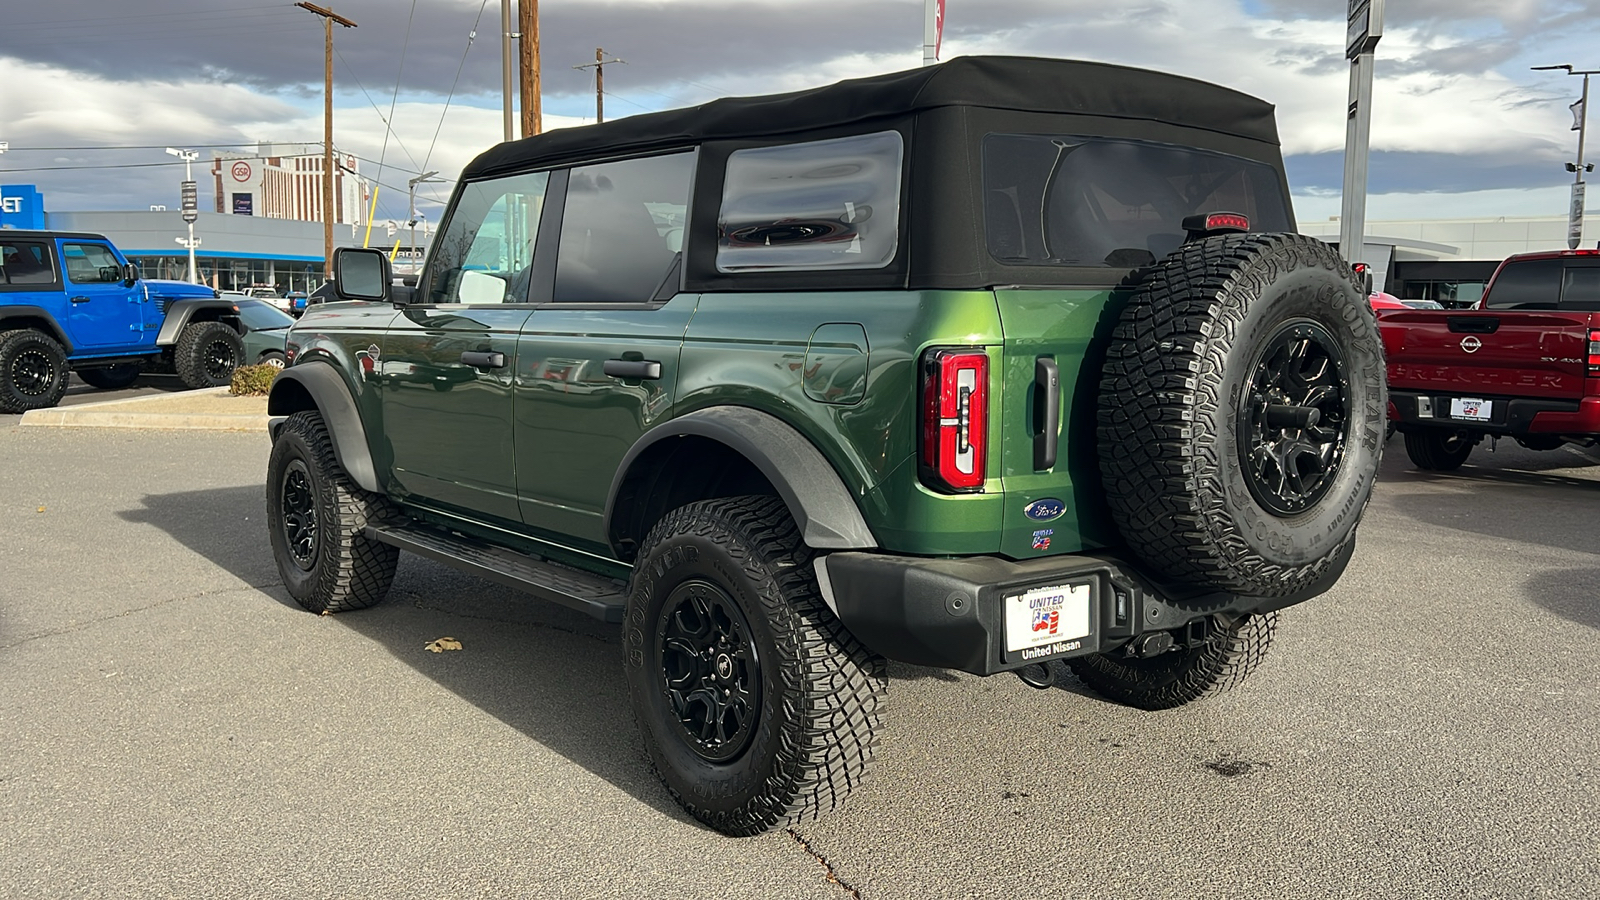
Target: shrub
{"points": [[253, 381]]}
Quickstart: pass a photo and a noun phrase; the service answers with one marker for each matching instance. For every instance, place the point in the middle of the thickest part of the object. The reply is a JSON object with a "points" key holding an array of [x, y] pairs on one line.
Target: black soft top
{"points": [[1016, 83]]}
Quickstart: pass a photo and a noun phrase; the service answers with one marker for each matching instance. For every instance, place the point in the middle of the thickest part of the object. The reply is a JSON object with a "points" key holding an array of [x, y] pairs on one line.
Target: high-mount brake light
{"points": [[955, 418], [1594, 351], [1207, 224]]}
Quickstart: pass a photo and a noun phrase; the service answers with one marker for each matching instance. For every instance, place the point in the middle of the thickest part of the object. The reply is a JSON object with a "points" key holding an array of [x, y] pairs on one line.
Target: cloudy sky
{"points": [[91, 92]]}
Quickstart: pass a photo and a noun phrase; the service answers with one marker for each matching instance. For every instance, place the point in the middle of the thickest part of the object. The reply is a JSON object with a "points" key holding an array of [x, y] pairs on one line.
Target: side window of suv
{"points": [[622, 229], [90, 264], [1580, 288], [25, 263], [485, 253], [1526, 284], [818, 205]]}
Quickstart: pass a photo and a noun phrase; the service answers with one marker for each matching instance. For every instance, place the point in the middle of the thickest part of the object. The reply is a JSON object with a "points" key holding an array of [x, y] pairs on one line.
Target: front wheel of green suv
{"points": [[757, 708], [316, 521]]}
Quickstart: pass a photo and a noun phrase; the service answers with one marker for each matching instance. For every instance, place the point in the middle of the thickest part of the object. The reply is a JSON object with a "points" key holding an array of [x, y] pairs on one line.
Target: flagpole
{"points": [[932, 30]]}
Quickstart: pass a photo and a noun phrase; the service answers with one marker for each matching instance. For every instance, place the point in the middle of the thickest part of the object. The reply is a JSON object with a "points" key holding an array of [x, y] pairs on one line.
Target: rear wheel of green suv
{"points": [[757, 708]]}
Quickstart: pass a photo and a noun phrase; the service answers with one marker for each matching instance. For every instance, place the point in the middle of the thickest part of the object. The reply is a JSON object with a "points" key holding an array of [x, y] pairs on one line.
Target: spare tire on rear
{"points": [[1241, 418]]}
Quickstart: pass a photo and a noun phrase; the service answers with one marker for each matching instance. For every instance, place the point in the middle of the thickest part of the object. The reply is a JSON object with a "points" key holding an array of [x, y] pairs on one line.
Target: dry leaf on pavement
{"points": [[443, 644]]}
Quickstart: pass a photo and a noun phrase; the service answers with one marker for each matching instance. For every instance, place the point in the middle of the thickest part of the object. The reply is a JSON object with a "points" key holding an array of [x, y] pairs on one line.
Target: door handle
{"points": [[484, 359], [81, 299], [646, 369], [1047, 411]]}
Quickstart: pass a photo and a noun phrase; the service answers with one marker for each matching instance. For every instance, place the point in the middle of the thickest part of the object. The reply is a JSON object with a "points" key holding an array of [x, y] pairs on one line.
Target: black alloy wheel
{"points": [[220, 360], [1294, 418], [299, 508], [710, 670], [33, 372]]}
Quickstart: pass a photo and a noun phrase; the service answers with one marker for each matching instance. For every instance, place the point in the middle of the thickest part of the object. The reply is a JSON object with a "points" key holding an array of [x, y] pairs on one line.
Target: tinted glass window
{"points": [[831, 204], [1075, 201], [90, 264], [25, 262], [1526, 284], [622, 229], [485, 253], [258, 315], [1580, 288]]}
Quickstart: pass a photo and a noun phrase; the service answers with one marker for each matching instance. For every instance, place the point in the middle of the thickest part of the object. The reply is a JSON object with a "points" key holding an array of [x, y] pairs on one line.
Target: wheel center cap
{"points": [[724, 666]]}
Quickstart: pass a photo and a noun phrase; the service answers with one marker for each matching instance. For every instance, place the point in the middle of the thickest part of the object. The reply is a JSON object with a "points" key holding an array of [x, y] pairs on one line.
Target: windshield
{"points": [[1078, 201], [258, 315]]}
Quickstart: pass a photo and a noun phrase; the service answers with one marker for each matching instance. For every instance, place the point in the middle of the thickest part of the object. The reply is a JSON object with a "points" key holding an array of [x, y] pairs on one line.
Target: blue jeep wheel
{"points": [[33, 371]]}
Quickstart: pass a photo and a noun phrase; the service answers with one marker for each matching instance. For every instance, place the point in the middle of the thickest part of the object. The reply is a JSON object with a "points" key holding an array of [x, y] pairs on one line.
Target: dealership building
{"points": [[266, 229]]}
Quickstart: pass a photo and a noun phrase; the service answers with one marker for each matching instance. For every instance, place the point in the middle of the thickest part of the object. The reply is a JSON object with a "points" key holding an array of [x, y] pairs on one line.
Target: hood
{"points": [[160, 289]]}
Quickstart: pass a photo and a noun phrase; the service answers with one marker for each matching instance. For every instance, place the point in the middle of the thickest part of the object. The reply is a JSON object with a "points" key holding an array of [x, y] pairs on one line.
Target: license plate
{"points": [[1470, 408], [1044, 619]]}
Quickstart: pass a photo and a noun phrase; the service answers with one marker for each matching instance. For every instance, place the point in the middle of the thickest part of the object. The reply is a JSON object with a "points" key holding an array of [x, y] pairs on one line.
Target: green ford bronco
{"points": [[979, 366]]}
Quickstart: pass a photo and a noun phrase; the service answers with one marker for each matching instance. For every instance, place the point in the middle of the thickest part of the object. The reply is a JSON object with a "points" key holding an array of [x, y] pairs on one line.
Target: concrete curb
{"points": [[126, 414]]}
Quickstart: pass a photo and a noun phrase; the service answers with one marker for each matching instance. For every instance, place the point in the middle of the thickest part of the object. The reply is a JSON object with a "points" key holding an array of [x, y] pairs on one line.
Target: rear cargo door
{"points": [[1047, 453]]}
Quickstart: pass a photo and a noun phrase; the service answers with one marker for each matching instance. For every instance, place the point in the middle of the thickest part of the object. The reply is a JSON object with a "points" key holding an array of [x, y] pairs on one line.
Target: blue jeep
{"points": [[72, 301]]}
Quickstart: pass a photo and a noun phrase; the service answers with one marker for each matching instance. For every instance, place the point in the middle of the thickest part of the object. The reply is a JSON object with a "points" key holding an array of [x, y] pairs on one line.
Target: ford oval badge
{"points": [[1045, 510]]}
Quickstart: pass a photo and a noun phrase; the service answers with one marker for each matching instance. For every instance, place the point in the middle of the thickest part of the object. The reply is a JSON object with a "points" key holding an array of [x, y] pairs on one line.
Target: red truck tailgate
{"points": [[1523, 353]]}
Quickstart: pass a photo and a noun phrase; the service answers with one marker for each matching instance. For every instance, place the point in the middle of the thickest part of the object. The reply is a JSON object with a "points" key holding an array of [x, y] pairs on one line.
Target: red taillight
{"points": [[1216, 221], [1594, 352], [955, 419]]}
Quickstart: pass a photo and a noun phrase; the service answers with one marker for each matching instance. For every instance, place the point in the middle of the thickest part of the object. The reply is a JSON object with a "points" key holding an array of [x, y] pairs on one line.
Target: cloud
{"points": [[1455, 109]]}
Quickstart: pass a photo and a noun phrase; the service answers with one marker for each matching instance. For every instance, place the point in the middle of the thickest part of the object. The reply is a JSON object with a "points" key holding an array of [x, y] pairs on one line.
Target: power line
{"points": [[471, 36], [188, 14], [104, 166]]}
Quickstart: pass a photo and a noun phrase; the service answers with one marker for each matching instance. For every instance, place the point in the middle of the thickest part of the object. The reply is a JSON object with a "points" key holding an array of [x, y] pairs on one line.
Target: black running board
{"points": [[596, 595]]}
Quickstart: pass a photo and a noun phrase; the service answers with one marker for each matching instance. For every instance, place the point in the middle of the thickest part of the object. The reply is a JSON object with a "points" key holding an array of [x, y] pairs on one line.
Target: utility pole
{"points": [[190, 205], [932, 30], [328, 18], [505, 68], [599, 67], [412, 193], [528, 44], [1361, 40], [1580, 112]]}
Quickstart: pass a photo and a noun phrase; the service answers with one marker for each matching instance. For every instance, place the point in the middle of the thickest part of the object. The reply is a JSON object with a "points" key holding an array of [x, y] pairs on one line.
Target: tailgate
{"points": [[1514, 353], [1057, 508]]}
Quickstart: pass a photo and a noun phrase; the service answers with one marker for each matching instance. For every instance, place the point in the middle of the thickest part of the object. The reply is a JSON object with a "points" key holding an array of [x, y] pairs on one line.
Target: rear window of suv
{"points": [[1067, 200]]}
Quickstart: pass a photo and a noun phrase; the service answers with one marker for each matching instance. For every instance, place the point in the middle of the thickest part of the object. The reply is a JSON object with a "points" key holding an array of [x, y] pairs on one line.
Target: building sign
{"points": [[241, 171], [21, 206], [243, 204]]}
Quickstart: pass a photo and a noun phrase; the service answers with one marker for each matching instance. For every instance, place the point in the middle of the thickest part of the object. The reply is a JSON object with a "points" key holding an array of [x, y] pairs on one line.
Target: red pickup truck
{"points": [[1525, 363]]}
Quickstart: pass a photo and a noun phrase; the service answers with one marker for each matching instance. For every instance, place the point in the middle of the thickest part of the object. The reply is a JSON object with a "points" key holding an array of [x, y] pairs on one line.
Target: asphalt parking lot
{"points": [[172, 725]]}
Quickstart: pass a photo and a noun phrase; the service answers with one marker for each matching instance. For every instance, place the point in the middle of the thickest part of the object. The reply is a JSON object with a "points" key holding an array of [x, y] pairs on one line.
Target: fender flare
{"points": [[332, 398], [825, 512], [179, 312], [52, 327]]}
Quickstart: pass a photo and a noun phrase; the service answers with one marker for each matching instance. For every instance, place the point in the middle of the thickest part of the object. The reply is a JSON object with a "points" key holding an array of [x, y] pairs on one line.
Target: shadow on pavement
{"points": [[552, 674], [1569, 593]]}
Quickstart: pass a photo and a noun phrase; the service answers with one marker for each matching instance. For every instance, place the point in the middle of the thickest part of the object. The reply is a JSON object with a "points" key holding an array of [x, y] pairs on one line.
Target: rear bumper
{"points": [[1510, 415], [951, 613]]}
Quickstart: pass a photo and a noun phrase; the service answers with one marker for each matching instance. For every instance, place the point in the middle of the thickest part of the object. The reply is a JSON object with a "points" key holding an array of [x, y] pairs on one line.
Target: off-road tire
{"points": [[1438, 449], [339, 568], [206, 354], [819, 692], [33, 371], [1184, 396], [1180, 676], [110, 378]]}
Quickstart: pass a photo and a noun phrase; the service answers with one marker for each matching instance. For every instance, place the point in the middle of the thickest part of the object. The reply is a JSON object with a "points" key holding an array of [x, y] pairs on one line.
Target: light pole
{"points": [[1365, 27], [1575, 214], [411, 192], [190, 210]]}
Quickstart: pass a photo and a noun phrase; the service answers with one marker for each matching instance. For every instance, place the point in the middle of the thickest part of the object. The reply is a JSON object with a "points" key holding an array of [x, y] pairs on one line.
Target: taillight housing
{"points": [[955, 419], [1594, 351]]}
